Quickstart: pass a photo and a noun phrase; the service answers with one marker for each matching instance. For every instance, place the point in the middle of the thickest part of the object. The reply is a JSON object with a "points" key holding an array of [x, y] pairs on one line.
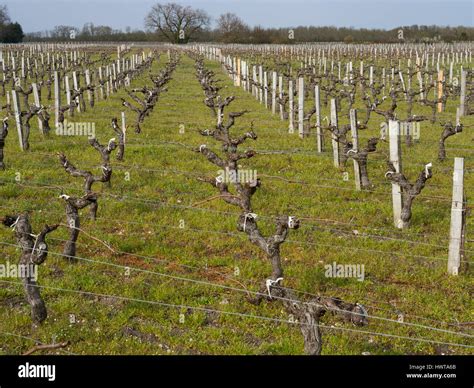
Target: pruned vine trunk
{"points": [[3, 135], [409, 191], [34, 251]]}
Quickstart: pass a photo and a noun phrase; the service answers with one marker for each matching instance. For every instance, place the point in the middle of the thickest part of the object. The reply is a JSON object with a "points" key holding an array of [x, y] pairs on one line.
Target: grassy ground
{"points": [[143, 215]]}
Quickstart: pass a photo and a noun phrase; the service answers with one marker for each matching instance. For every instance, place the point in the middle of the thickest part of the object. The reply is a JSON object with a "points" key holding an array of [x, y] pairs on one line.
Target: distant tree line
{"points": [[90, 32], [174, 23]]}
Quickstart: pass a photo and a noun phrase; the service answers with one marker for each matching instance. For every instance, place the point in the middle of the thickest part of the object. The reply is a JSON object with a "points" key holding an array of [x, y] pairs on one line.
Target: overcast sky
{"points": [[38, 15]]}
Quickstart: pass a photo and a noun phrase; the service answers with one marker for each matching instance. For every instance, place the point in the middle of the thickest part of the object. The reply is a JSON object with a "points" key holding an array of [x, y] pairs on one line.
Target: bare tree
{"points": [[231, 28], [176, 23], [4, 17], [63, 32]]}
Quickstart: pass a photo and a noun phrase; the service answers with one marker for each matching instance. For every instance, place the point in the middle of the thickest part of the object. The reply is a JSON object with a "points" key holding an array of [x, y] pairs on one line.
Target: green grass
{"points": [[148, 224]]}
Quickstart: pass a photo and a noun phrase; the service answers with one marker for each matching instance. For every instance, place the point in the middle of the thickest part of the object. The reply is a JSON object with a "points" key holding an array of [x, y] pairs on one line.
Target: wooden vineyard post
{"points": [[265, 89], [402, 81], [101, 84], [274, 90], [420, 83], [110, 88], [37, 103], [280, 95], [88, 83], [23, 67], [317, 105], [233, 68], [113, 77], [409, 78], [260, 83], [334, 125], [291, 128], [383, 81], [57, 99], [247, 77], [463, 92], [355, 147], [301, 107], [17, 112], [248, 83], [107, 82], [237, 79], [440, 90], [451, 72], [68, 92], [76, 87], [255, 82], [124, 127], [456, 233], [395, 158]]}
